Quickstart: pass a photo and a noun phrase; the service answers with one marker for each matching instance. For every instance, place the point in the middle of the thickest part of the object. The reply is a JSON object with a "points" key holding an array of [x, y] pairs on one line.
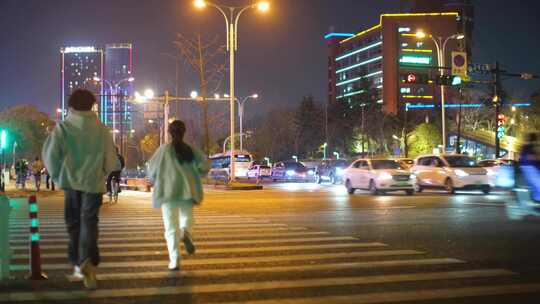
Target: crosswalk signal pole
{"points": [[497, 100]]}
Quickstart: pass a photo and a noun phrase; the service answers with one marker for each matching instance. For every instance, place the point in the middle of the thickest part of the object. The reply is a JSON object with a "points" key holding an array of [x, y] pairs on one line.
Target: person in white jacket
{"points": [[175, 170], [79, 154]]}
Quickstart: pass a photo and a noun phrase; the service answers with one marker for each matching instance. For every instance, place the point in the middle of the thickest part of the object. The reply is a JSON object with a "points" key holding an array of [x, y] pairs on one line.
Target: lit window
{"points": [[419, 44], [405, 44]]}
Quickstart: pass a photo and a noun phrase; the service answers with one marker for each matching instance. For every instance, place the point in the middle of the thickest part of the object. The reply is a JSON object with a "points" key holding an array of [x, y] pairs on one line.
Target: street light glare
{"points": [[200, 3], [255, 96], [97, 79], [263, 6], [420, 34], [216, 96], [194, 94], [460, 36], [131, 79], [149, 93]]}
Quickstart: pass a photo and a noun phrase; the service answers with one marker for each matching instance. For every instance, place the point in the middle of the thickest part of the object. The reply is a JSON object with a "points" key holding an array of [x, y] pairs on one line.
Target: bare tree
{"points": [[208, 61]]}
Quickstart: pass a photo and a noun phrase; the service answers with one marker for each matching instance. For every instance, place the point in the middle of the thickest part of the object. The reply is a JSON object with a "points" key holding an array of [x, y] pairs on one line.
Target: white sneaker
{"points": [[89, 275], [174, 265], [76, 276]]}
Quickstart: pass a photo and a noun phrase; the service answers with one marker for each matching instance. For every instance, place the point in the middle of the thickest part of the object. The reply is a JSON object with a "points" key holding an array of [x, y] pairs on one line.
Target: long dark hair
{"points": [[184, 153]]}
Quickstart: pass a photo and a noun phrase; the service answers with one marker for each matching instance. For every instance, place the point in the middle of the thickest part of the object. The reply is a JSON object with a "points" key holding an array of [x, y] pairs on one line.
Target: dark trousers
{"points": [[49, 182], [81, 211]]}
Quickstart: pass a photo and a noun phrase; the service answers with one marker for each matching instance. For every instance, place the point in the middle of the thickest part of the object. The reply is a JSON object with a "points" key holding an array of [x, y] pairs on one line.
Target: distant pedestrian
{"points": [[21, 171], [175, 169], [528, 169], [116, 174], [49, 183], [37, 169], [79, 154]]}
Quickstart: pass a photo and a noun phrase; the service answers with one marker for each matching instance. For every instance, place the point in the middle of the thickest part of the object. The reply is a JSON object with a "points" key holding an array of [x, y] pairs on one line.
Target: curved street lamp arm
{"points": [[236, 24], [227, 21]]}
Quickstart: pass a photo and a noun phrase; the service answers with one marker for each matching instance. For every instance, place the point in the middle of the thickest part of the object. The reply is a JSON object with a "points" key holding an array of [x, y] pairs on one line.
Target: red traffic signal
{"points": [[501, 120], [411, 78], [415, 78]]}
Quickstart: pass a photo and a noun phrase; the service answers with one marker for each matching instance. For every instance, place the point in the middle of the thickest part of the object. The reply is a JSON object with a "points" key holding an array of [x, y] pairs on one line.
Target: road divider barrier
{"points": [[35, 252], [5, 250]]}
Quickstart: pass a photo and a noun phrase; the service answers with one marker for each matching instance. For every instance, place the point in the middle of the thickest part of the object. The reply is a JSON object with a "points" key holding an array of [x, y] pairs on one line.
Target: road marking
{"points": [[63, 244], [156, 225], [243, 232], [234, 260], [215, 250], [251, 286], [152, 236], [275, 269], [409, 296]]}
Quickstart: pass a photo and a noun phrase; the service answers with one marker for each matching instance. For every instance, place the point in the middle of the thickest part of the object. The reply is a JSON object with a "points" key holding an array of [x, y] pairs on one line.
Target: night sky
{"points": [[282, 55]]}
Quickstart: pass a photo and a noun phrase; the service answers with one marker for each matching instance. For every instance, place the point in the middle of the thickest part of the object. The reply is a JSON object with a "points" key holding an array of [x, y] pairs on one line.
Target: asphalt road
{"points": [[296, 243]]}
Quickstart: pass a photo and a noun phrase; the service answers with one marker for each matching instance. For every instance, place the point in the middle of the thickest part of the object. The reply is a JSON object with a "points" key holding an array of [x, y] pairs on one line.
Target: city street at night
{"points": [[303, 242]]}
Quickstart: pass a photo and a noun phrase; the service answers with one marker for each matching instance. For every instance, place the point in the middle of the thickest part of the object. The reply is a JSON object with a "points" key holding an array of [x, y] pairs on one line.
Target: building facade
{"points": [[79, 66], [117, 86], [385, 54]]}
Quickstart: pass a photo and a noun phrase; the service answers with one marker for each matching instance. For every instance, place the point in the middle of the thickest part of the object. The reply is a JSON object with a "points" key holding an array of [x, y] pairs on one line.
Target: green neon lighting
{"points": [[3, 139], [359, 64], [358, 78], [415, 59], [34, 237], [34, 222], [33, 208], [359, 51]]}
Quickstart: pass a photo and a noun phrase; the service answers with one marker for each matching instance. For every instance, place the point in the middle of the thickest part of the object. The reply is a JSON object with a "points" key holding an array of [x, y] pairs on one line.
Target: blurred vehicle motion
{"points": [[527, 181], [500, 172], [331, 170]]}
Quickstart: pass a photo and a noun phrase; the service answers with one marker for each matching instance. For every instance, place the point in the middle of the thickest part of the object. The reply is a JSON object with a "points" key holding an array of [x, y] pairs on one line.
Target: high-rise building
{"points": [[382, 54], [79, 66], [115, 110]]}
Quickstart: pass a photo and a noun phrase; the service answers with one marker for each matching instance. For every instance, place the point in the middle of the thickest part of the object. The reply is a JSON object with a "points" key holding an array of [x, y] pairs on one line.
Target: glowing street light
{"points": [[194, 94], [200, 3], [440, 45], [149, 93], [295, 158], [336, 154], [232, 15], [241, 116]]}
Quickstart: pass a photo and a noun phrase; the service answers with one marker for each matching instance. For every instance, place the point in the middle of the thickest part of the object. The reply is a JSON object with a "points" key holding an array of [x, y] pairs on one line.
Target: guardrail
{"points": [[5, 251]]}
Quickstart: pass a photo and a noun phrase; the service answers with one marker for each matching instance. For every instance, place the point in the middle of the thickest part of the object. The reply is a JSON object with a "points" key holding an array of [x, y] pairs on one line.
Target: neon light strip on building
{"points": [[359, 51], [399, 15], [350, 94], [418, 50], [332, 35], [358, 78], [359, 64]]}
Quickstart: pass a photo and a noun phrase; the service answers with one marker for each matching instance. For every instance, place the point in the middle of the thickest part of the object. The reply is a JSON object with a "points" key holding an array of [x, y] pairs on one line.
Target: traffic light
{"points": [[415, 78], [501, 121], [3, 139], [448, 80]]}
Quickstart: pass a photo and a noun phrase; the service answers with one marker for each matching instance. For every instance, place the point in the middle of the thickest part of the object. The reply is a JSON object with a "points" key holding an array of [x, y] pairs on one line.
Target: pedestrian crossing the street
{"points": [[241, 259]]}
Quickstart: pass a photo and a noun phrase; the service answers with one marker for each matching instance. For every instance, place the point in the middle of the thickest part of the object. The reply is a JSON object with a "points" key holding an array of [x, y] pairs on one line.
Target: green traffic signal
{"points": [[3, 139]]}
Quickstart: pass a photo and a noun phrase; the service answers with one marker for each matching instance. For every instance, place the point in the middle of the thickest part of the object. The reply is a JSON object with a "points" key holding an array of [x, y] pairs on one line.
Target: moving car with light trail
{"points": [[292, 171], [331, 170], [450, 172], [378, 176], [500, 172], [259, 171]]}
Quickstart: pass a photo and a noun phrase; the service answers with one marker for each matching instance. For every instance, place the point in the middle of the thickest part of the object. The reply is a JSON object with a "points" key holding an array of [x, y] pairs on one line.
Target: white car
{"points": [[449, 172], [259, 171], [378, 176], [500, 172]]}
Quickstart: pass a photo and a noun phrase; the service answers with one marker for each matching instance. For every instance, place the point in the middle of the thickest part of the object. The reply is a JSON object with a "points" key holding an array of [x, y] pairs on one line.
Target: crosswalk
{"points": [[242, 259]]}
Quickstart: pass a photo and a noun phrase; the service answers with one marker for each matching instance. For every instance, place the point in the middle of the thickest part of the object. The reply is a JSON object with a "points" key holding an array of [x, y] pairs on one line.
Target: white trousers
{"points": [[177, 218]]}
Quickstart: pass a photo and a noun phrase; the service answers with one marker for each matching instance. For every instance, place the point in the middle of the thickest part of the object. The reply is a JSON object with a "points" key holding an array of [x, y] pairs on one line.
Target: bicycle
{"points": [[115, 187]]}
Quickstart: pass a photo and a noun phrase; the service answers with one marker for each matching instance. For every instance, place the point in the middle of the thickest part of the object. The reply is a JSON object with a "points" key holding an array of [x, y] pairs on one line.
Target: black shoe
{"points": [[188, 243]]}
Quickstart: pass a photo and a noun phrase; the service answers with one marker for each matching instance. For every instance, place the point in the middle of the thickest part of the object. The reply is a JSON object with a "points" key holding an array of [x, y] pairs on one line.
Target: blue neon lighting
{"points": [[358, 78], [332, 35], [453, 105], [359, 51], [359, 64]]}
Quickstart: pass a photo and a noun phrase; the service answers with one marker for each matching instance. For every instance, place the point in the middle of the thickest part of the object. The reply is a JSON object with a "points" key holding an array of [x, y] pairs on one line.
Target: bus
{"points": [[221, 164]]}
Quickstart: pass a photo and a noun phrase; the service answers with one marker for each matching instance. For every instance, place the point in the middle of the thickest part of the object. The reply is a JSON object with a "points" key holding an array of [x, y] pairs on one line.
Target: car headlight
{"points": [[490, 172], [385, 175], [461, 173], [290, 172], [412, 176], [310, 172], [339, 171]]}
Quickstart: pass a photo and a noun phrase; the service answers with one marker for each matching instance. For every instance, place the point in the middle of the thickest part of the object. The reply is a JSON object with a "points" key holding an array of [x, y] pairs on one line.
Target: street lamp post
{"points": [[231, 22], [440, 45], [241, 103]]}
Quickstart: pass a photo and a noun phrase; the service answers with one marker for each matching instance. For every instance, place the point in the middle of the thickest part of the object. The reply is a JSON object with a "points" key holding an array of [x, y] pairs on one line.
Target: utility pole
{"points": [[497, 100]]}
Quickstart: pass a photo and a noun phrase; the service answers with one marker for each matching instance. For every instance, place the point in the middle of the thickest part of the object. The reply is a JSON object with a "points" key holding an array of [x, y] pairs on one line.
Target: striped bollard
{"points": [[35, 256], [5, 253]]}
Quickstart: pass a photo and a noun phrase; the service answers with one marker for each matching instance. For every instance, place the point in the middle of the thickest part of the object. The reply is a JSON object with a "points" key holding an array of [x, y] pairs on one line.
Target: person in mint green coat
{"points": [[79, 154], [175, 170]]}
